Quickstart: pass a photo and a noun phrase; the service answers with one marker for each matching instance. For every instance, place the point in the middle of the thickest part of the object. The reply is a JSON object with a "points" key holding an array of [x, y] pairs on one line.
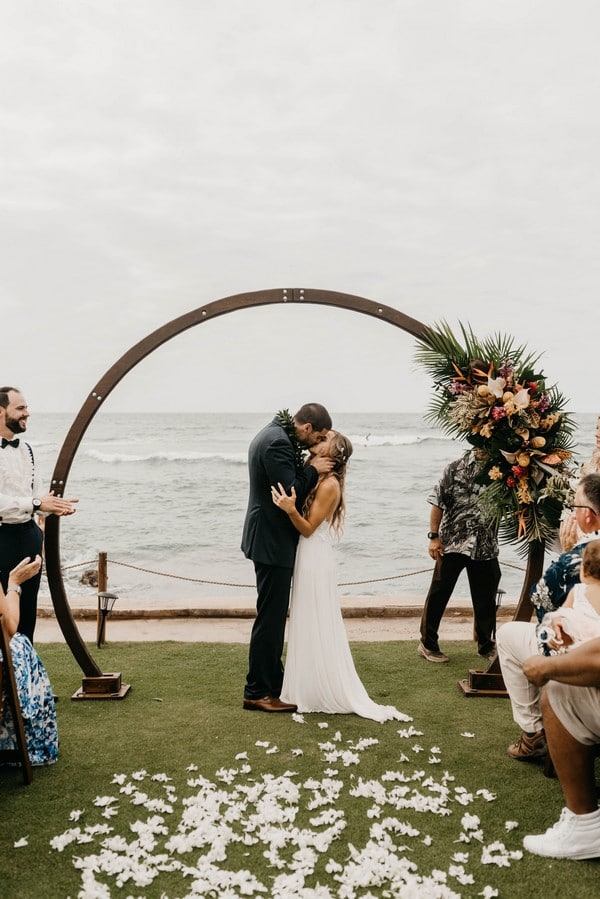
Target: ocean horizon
{"points": [[172, 500]]}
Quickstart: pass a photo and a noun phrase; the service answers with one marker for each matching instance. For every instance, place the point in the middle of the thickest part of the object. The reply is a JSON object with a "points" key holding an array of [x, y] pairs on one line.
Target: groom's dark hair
{"points": [[4, 391], [314, 414]]}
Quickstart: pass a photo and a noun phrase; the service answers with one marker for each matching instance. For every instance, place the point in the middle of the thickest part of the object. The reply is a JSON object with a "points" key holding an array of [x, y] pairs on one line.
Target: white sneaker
{"points": [[573, 836]]}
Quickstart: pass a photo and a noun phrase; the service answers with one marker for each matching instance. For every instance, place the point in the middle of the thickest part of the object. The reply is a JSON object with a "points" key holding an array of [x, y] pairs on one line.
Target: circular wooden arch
{"points": [[142, 349], [124, 365]]}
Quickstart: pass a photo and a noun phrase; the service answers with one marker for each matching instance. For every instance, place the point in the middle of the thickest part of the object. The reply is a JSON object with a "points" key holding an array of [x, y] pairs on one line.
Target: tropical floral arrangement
{"points": [[492, 394]]}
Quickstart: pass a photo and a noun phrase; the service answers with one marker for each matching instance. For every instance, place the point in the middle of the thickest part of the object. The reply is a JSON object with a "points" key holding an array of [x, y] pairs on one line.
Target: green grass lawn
{"points": [[331, 807]]}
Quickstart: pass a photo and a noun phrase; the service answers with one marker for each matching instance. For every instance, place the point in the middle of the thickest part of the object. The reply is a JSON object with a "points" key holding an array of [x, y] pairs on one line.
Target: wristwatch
{"points": [[432, 535], [14, 588], [36, 505]]}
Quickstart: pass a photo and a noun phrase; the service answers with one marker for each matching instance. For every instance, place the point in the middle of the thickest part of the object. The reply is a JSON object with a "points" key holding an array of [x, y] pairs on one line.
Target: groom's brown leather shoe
{"points": [[268, 704]]}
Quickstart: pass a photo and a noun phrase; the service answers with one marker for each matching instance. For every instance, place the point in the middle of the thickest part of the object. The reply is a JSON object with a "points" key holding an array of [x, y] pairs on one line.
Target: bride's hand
{"points": [[282, 500]]}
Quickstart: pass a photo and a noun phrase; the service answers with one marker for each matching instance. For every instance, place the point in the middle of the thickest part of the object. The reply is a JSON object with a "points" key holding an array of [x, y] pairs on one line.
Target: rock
{"points": [[89, 577]]}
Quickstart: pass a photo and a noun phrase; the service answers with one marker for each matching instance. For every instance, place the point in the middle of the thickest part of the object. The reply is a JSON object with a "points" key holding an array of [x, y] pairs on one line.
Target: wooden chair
{"points": [[7, 677]]}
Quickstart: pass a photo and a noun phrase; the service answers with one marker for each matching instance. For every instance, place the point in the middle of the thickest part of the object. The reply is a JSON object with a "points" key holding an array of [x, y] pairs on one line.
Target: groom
{"points": [[269, 539]]}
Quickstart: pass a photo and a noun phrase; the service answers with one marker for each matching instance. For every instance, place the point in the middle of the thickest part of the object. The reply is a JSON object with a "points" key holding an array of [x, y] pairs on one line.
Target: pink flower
{"points": [[543, 403], [456, 388]]}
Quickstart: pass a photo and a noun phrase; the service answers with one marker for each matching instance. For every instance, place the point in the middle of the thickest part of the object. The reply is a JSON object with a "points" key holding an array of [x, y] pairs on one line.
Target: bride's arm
{"points": [[325, 501]]}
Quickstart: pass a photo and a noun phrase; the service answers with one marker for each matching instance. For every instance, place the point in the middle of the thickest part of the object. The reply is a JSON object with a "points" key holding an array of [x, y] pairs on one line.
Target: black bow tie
{"points": [[6, 442]]}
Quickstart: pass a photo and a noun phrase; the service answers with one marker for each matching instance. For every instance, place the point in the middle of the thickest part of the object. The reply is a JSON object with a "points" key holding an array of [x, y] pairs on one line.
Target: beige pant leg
{"points": [[516, 641]]}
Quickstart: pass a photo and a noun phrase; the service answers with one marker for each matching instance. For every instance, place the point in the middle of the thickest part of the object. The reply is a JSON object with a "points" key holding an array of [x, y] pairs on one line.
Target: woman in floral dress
{"points": [[33, 686]]}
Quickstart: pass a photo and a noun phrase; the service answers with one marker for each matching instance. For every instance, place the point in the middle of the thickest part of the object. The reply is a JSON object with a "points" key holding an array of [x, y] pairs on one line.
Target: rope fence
{"points": [[194, 580]]}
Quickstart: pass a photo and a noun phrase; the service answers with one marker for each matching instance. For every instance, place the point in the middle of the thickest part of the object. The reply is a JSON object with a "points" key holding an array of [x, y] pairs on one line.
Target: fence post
{"points": [[102, 585]]}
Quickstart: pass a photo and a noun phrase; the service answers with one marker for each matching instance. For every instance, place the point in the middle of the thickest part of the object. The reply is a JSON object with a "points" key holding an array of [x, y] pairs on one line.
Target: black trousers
{"points": [[16, 542], [265, 669], [484, 577]]}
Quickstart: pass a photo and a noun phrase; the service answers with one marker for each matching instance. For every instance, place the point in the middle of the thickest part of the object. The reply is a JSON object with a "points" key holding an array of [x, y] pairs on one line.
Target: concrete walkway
{"points": [[229, 620]]}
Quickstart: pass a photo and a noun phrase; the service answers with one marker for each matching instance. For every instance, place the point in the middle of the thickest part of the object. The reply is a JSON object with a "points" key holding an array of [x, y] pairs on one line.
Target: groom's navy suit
{"points": [[269, 539]]}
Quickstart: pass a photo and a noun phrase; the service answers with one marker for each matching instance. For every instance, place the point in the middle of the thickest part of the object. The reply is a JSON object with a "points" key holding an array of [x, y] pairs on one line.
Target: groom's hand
{"points": [[323, 464]]}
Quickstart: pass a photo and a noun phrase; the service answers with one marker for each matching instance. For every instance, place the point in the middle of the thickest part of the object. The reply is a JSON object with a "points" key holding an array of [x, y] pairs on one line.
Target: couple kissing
{"points": [[297, 472]]}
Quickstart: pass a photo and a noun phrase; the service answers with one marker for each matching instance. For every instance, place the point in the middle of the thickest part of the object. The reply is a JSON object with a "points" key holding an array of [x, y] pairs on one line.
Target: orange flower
{"points": [[551, 459]]}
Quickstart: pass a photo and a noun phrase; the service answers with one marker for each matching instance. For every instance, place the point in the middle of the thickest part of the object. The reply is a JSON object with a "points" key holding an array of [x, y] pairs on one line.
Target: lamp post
{"points": [[106, 602], [108, 685]]}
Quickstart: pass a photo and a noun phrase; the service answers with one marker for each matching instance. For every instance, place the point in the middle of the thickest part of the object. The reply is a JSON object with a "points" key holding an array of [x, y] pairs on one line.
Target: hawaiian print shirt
{"points": [[553, 587], [464, 529]]}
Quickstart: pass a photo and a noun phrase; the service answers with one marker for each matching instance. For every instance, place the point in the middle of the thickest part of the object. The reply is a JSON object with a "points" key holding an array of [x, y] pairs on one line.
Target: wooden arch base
{"points": [[490, 682], [105, 686]]}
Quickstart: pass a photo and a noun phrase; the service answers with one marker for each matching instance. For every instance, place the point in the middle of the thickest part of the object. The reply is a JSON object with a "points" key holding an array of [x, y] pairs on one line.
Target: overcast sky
{"points": [[155, 155]]}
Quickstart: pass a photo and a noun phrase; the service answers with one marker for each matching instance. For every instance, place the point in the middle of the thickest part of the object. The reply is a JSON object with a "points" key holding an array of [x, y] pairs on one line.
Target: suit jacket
{"points": [[269, 537]]}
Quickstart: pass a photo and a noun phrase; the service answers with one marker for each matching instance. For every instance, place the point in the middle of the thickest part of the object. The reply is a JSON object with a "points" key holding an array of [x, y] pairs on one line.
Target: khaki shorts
{"points": [[577, 709]]}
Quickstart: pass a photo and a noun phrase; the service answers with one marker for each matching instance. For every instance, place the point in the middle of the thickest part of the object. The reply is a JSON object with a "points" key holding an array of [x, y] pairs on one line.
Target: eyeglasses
{"points": [[573, 506]]}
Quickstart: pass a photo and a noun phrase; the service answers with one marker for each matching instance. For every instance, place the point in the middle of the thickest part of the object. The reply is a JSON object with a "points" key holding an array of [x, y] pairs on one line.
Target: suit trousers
{"points": [[17, 541], [484, 577], [265, 669]]}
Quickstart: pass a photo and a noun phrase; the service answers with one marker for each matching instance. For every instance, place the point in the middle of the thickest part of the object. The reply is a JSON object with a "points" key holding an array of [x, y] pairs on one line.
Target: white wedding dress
{"points": [[319, 672]]}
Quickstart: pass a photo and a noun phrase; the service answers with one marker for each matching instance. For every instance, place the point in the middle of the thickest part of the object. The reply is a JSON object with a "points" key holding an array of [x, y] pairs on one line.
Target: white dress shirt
{"points": [[19, 483]]}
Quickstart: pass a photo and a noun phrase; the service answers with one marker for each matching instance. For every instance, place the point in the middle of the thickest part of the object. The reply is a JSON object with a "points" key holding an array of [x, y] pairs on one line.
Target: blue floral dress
{"points": [[37, 705]]}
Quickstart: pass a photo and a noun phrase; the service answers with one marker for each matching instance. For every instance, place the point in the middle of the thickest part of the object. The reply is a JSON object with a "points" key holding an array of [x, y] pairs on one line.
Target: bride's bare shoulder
{"points": [[329, 486]]}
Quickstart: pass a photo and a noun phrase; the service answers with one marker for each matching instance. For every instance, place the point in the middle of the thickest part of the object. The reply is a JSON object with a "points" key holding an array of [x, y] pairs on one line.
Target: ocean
{"points": [[165, 496]]}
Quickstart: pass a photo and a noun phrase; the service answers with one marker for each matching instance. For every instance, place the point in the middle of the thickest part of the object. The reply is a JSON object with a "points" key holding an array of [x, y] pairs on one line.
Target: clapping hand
{"points": [[569, 533], [57, 505], [24, 570], [561, 639], [282, 500]]}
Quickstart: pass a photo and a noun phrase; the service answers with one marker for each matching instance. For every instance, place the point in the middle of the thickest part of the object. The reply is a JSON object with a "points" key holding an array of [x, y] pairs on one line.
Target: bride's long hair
{"points": [[340, 450]]}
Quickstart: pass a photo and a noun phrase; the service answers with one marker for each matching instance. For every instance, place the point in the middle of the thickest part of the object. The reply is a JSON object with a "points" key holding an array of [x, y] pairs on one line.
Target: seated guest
{"points": [[517, 640], [578, 619], [570, 534], [571, 718], [33, 687]]}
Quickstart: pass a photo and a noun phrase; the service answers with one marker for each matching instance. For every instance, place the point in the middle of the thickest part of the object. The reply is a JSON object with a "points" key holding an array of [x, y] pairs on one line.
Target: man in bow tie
{"points": [[21, 499]]}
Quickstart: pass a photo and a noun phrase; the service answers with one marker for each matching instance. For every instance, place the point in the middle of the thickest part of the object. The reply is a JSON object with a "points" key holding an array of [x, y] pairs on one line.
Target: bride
{"points": [[319, 672]]}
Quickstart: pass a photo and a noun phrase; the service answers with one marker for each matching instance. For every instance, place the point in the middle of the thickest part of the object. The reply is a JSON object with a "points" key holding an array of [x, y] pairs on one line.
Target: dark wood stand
{"points": [[102, 686], [490, 681]]}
